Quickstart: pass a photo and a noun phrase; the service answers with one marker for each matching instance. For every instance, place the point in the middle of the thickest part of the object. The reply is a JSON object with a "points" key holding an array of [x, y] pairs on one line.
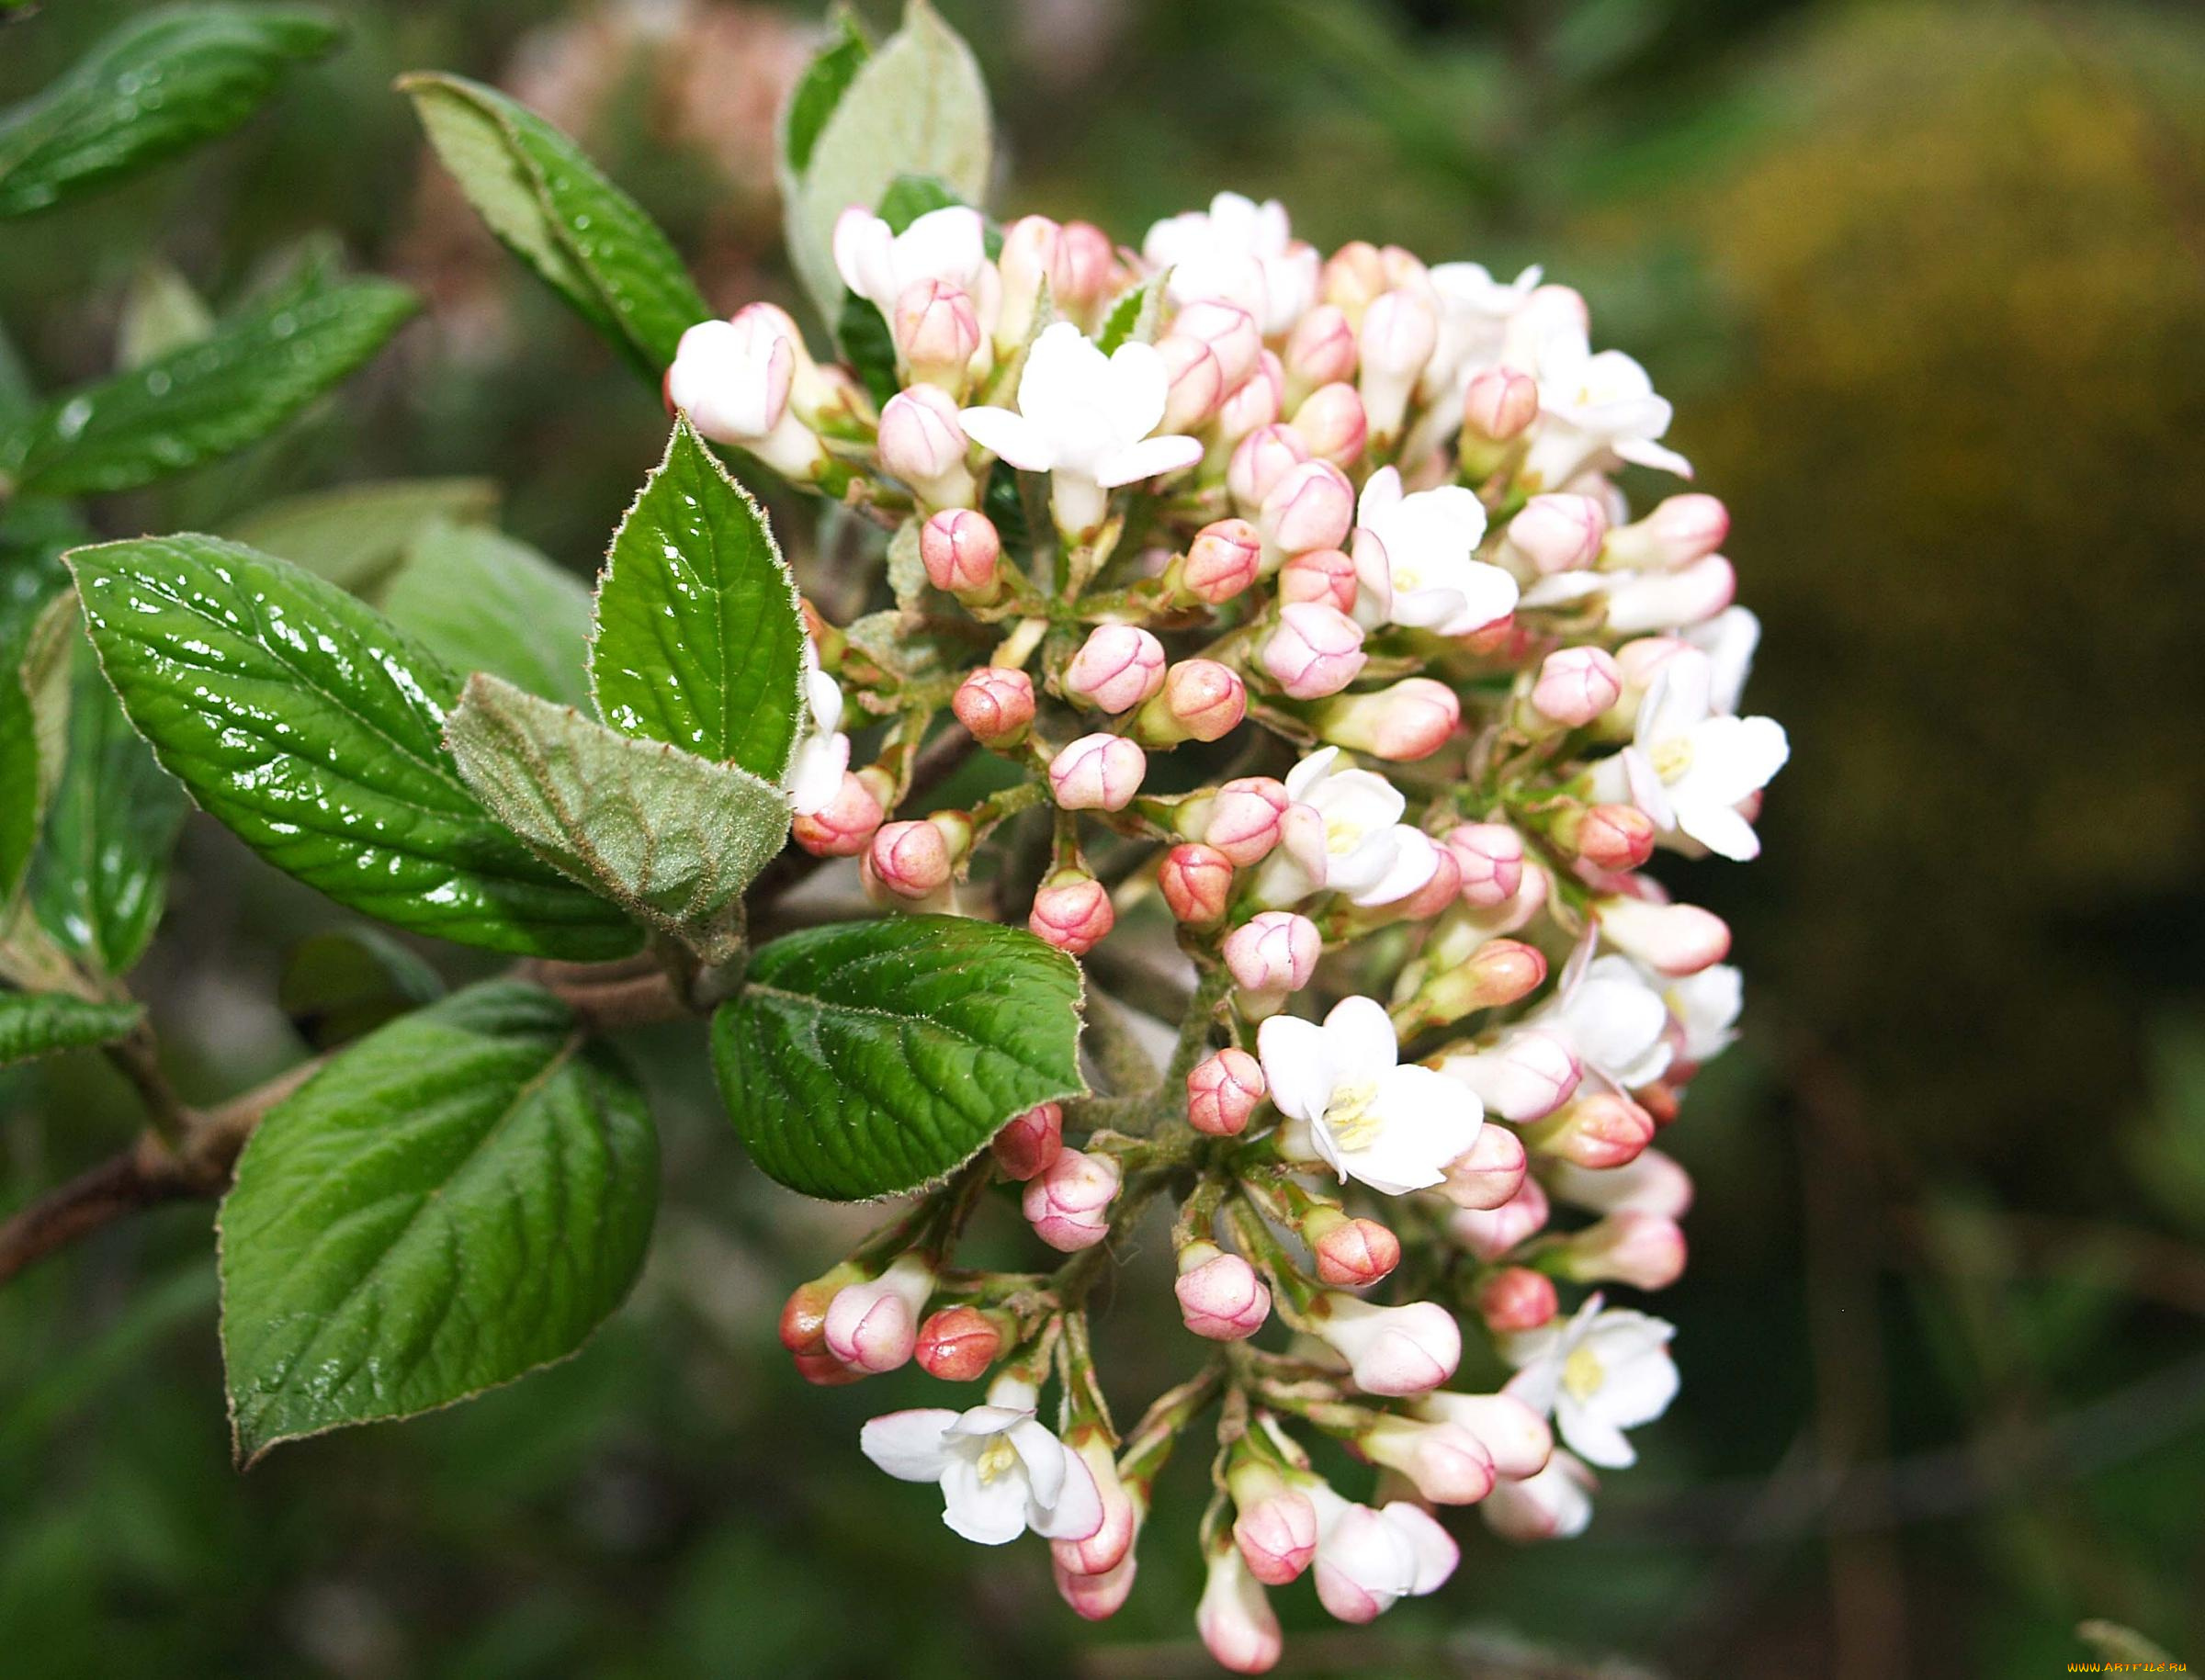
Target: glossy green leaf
{"points": [[163, 82], [917, 107], [339, 986], [700, 637], [313, 728], [357, 535], [869, 1058], [481, 600], [206, 400], [34, 719], [101, 874], [669, 837], [39, 1023], [549, 205], [457, 1199]]}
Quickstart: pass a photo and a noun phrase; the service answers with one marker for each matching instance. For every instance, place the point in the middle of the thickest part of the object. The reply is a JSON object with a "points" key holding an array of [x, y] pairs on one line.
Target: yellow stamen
{"points": [[996, 1458], [1349, 1118], [1672, 758], [1582, 1374]]}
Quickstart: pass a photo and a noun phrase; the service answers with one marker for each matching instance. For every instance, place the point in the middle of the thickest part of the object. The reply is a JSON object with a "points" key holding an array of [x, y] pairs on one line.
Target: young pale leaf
{"points": [[37, 1023], [355, 537], [816, 94], [917, 107], [671, 838], [548, 203], [206, 400], [101, 874], [482, 602], [313, 728], [457, 1199], [869, 1058], [339, 986], [700, 639], [162, 312], [34, 720], [162, 83]]}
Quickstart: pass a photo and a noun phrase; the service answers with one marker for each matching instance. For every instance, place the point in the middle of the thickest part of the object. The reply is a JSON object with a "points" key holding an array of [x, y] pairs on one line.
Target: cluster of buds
{"points": [[1337, 699]]}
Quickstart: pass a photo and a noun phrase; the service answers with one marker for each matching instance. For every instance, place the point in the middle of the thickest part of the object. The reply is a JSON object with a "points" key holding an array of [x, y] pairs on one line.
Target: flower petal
{"points": [[910, 1446], [987, 1513], [1298, 1065], [1012, 437], [1146, 459]]}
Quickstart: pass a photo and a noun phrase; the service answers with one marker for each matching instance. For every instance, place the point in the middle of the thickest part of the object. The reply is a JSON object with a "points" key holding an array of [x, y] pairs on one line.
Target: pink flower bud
{"points": [[1517, 1298], [1528, 1075], [1080, 272], [1674, 938], [1490, 1232], [822, 1369], [922, 443], [1447, 1464], [1256, 403], [1332, 423], [1196, 881], [1223, 1090], [1489, 1173], [1515, 1438], [958, 1344], [1677, 532], [996, 705], [1500, 971], [1242, 820], [1030, 1144], [1068, 1205], [1499, 404], [960, 550], [1597, 1131], [1116, 668], [1229, 331], [1392, 1350], [1097, 772], [1095, 1597], [1643, 1250], [1235, 1619], [1220, 1297], [1274, 952], [1615, 837], [1316, 650], [910, 858], [1354, 276], [1259, 460], [1645, 601], [1072, 911], [1029, 254], [844, 826], [1399, 332], [1196, 382], [1652, 1184], [1321, 348], [937, 333], [1492, 854], [1410, 720], [803, 1324], [1356, 1252], [1577, 685], [1202, 700], [1105, 1549], [1276, 1533], [1326, 576], [1553, 1505], [874, 1326], [1556, 533], [1443, 886], [1221, 561], [1311, 506]]}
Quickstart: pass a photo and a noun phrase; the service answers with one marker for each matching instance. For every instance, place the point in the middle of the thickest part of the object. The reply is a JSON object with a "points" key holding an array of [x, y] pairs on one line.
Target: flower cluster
{"points": [[1336, 698]]}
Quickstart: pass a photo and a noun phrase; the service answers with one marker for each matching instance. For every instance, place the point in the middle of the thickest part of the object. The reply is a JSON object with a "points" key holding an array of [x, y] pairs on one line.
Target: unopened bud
{"points": [[1275, 1529], [1499, 404], [1072, 911], [1331, 422], [1445, 1462], [910, 858], [1614, 837], [1556, 533], [844, 826], [922, 443], [1195, 382], [1352, 278], [1242, 820], [995, 704], [1107, 1546], [1222, 561], [1196, 881], [1516, 1298], [1692, 594], [1577, 685], [1675, 939], [1228, 330], [937, 334], [1492, 854], [1599, 1129], [1259, 460], [1201, 700], [1677, 532], [1410, 720], [1399, 332], [1488, 1233], [1528, 1075], [1116, 668], [1311, 506], [1391, 1351], [1316, 651], [1644, 1250], [874, 1326], [1320, 349], [1068, 1205], [1029, 1143], [1326, 576], [1353, 1253], [1272, 954], [1235, 1619], [1223, 1090], [961, 551], [1220, 1297], [1097, 772], [1488, 1173], [1258, 402], [958, 1344]]}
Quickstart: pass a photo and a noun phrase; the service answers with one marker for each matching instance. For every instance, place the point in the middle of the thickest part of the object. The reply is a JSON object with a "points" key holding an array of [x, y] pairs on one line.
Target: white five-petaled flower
{"points": [[1615, 1022], [1369, 854], [879, 264], [1239, 251], [1706, 1006], [815, 771], [733, 379], [1085, 419], [1600, 1373], [1414, 564], [1000, 1472], [1689, 767], [1392, 1127], [1474, 309], [1592, 405]]}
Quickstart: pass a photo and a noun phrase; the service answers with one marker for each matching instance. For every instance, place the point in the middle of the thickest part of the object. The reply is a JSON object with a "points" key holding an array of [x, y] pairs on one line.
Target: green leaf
{"points": [[162, 83], [101, 875], [700, 637], [481, 601], [869, 1058], [1133, 315], [917, 107], [816, 94], [206, 400], [669, 838], [313, 729], [162, 312], [37, 1023], [457, 1199], [34, 719], [548, 204], [339, 986], [355, 537]]}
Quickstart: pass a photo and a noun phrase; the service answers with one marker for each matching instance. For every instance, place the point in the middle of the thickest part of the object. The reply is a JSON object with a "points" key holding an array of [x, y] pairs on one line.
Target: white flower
{"points": [[1555, 1504], [1368, 1559], [1392, 1127], [1600, 1373], [1000, 1472], [1085, 419], [815, 771], [879, 265], [1614, 1022], [1369, 854], [733, 379], [1592, 405], [1474, 309], [1239, 251], [1728, 639], [1689, 767], [1706, 1006], [1414, 564]]}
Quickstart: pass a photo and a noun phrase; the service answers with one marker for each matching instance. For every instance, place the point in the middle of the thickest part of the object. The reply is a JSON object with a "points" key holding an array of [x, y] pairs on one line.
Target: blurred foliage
{"points": [[1928, 286]]}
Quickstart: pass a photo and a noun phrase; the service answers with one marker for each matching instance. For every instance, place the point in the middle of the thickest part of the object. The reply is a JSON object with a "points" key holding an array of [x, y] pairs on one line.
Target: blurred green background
{"points": [[1928, 284]]}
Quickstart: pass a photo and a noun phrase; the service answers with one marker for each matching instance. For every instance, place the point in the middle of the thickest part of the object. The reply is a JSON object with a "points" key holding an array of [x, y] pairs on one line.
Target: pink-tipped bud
{"points": [[1597, 1131], [1677, 532], [1356, 1252], [1499, 973], [874, 1326], [1276, 1534], [1116, 668], [1107, 1546], [1488, 1233], [1577, 685], [937, 333], [1273, 954], [844, 826], [1332, 423], [1499, 404], [1080, 271], [1392, 1350], [1201, 700], [1675, 939], [1256, 403], [961, 550], [1223, 1090], [1692, 594], [1242, 820], [1440, 890], [1220, 1297], [1311, 506], [1352, 278], [1410, 720], [1222, 561], [1029, 1145], [1652, 1184], [1196, 881], [803, 1324], [1488, 1173], [910, 858], [1492, 854], [1316, 650], [1515, 1438], [1615, 837], [1093, 1597], [1516, 1298], [1528, 1075], [1326, 576], [1321, 348], [1400, 330], [1235, 1619], [1028, 255], [1228, 330], [1445, 1462], [822, 1369], [1643, 1250], [1196, 382], [1097, 772], [1072, 911], [1068, 1205], [1259, 460], [1556, 1503], [996, 705], [1556, 533], [922, 443], [958, 1344]]}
